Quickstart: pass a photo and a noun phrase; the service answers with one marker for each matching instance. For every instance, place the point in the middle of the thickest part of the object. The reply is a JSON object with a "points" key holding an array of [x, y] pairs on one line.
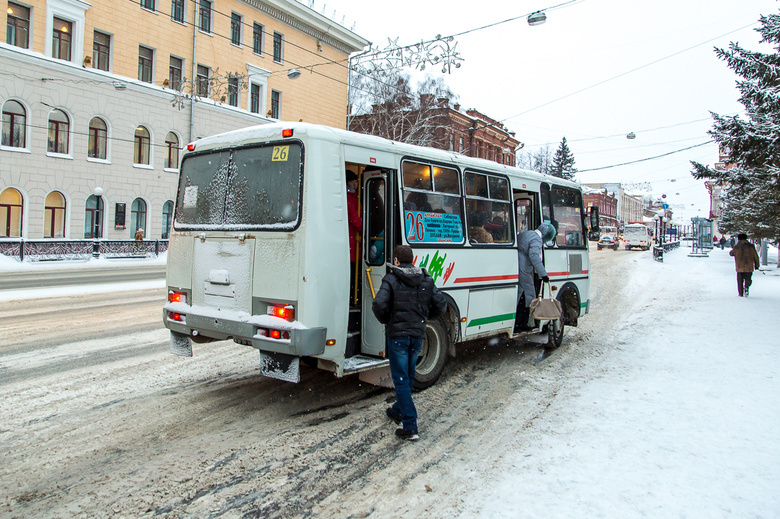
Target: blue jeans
{"points": [[402, 352]]}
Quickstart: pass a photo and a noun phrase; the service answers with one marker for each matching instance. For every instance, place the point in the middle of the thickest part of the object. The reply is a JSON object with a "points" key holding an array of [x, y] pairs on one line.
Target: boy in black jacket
{"points": [[405, 301]]}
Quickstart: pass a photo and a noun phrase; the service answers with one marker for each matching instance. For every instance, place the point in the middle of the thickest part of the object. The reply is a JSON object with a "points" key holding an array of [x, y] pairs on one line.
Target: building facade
{"points": [[630, 209], [607, 203], [98, 100], [448, 128]]}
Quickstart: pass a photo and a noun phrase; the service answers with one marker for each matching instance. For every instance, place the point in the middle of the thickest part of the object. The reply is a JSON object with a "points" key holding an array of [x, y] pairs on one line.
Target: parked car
{"points": [[609, 241]]}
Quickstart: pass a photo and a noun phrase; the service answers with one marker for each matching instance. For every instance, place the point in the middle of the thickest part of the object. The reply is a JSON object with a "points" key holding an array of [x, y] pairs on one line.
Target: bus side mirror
{"points": [[594, 219]]}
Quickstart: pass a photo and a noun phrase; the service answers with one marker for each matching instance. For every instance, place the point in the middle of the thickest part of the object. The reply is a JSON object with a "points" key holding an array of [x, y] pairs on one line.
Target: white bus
{"points": [[636, 235], [259, 251]]}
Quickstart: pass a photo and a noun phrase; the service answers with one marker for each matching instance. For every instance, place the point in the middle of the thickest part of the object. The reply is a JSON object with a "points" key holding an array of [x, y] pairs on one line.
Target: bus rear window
{"points": [[246, 188]]}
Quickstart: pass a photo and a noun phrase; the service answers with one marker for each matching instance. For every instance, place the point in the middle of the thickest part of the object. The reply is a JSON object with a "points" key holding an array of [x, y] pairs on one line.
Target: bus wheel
{"points": [[555, 331], [433, 354]]}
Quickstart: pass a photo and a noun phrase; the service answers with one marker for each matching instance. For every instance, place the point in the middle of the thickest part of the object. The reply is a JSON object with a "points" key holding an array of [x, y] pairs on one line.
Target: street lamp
{"points": [[96, 229], [537, 18]]}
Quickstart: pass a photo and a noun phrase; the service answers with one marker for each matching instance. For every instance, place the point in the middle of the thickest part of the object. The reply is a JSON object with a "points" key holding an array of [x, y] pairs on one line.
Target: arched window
{"points": [[98, 139], [59, 128], [14, 124], [54, 216], [167, 218], [172, 151], [93, 217], [142, 146], [10, 213], [137, 216]]}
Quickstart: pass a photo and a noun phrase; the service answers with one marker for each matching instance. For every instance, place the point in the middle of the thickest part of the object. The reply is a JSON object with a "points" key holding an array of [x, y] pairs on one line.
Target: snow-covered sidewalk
{"points": [[681, 417]]}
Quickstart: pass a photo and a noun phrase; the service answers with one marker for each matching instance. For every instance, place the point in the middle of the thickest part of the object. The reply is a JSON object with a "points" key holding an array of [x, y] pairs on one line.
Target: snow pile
{"points": [[8, 264], [678, 417]]}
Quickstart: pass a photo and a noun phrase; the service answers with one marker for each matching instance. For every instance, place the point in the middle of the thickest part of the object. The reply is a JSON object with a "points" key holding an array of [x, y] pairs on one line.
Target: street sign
{"points": [[665, 206]]}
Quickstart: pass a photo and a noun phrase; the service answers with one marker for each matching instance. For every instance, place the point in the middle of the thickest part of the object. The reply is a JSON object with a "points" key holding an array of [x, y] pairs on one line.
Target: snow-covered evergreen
{"points": [[563, 162], [752, 201]]}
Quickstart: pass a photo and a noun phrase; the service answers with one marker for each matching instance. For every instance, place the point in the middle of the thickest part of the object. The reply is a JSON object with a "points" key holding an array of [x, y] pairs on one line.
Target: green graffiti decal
{"points": [[437, 266]]}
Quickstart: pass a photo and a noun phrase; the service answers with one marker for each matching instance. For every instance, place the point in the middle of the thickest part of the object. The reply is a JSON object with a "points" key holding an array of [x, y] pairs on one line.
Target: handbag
{"points": [[546, 309]]}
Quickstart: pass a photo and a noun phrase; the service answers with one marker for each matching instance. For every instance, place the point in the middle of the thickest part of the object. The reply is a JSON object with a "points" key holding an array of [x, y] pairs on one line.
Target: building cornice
{"points": [[311, 23]]}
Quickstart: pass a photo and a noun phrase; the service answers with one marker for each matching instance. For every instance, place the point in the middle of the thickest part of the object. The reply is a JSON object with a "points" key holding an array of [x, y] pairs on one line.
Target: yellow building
{"points": [[99, 98]]}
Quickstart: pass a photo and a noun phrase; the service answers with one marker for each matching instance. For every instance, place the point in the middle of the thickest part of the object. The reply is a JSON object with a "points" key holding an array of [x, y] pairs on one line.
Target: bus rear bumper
{"points": [[297, 341]]}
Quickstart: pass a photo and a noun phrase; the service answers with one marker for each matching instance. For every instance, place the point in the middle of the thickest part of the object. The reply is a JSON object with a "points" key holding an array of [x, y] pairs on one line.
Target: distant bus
{"points": [[260, 254], [636, 235]]}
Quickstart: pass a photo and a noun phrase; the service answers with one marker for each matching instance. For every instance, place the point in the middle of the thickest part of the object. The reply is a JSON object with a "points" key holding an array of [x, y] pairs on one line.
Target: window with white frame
{"points": [[232, 90], [98, 139], [11, 206], [177, 11], [148, 4], [257, 79], [278, 47], [276, 104], [18, 26], [142, 146], [257, 39], [101, 51], [236, 26], [54, 215], [145, 64], [204, 15], [14, 124], [59, 132], [171, 151], [61, 39], [204, 74], [175, 72]]}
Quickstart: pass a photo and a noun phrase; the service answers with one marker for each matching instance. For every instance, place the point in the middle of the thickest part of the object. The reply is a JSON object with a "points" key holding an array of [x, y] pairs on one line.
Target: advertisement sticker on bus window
{"points": [[424, 227], [280, 154]]}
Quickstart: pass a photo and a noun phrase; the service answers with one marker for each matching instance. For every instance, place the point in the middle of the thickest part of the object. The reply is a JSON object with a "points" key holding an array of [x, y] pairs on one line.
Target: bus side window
{"points": [[547, 213]]}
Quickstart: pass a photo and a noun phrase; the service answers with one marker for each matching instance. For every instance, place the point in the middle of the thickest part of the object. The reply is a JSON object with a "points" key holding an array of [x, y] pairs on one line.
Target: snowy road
{"points": [[99, 420]]}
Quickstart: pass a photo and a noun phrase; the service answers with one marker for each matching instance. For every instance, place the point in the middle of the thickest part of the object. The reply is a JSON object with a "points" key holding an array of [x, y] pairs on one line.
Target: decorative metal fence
{"points": [[53, 250]]}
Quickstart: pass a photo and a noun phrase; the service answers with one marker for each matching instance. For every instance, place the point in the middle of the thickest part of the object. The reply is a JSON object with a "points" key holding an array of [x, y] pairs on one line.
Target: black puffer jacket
{"points": [[406, 300]]}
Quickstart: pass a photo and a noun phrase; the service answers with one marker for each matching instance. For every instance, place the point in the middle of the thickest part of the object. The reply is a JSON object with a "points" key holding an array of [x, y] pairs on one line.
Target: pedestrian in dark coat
{"points": [[745, 260], [406, 300]]}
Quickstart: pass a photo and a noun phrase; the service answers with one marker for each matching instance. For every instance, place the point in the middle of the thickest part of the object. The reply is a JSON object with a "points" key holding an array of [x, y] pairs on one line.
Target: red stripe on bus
{"points": [[551, 274], [485, 278]]}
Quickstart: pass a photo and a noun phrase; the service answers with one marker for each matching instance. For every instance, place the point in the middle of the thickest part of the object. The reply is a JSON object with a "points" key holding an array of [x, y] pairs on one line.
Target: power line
{"points": [[646, 159]]}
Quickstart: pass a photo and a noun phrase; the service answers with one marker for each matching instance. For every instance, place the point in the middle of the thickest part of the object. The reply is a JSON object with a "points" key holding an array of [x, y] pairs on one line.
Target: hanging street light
{"points": [[537, 18]]}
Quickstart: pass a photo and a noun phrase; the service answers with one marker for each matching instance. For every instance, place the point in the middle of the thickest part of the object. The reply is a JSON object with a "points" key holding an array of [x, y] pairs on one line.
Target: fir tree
{"points": [[752, 200], [563, 162]]}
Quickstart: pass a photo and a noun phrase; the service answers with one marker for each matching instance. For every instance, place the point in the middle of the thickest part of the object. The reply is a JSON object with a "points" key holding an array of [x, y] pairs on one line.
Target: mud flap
{"points": [[280, 366], [181, 344], [378, 377]]}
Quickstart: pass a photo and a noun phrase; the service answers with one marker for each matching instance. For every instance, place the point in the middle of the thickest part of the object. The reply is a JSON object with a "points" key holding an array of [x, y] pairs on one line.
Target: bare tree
{"points": [[386, 104], [540, 160]]}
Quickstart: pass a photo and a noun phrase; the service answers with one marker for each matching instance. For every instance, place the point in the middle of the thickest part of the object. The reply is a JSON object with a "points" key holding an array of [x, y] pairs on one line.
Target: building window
{"points": [[177, 11], [278, 41], [203, 81], [18, 28], [14, 124], [257, 39], [142, 147], [101, 50], [175, 72], [204, 16], [61, 39], [93, 218], [254, 105], [137, 216], [145, 63], [276, 104], [167, 218], [10, 213], [148, 4], [59, 129], [236, 22], [172, 151], [233, 90], [460, 144], [54, 215], [452, 142], [98, 139]]}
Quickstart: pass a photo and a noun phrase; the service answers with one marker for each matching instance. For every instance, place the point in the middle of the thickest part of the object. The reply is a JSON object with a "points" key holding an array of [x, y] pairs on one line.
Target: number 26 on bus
{"points": [[415, 224]]}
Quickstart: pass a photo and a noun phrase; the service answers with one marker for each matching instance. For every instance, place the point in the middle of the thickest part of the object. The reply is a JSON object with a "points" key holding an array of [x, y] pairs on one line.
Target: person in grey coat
{"points": [[529, 250]]}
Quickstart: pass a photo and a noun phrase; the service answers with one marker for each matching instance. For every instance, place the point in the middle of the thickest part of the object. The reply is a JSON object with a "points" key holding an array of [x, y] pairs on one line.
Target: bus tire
{"points": [[433, 354], [555, 331]]}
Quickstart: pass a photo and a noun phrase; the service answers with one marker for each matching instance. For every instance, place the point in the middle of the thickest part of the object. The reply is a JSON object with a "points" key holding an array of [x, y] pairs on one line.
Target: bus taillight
{"points": [[176, 296], [287, 132], [173, 316], [273, 334], [285, 312]]}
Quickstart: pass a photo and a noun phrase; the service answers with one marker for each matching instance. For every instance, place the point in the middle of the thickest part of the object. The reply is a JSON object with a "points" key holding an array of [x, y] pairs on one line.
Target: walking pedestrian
{"points": [[406, 300], [529, 253], [722, 242], [745, 259]]}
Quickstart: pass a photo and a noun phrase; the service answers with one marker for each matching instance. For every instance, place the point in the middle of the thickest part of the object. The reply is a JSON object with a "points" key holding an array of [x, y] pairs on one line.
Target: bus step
{"points": [[353, 325], [360, 363]]}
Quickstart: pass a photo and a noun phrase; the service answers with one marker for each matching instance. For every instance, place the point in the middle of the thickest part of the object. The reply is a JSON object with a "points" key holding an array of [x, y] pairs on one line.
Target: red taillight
{"points": [[191, 146], [175, 296], [173, 316], [287, 132], [285, 312], [276, 334]]}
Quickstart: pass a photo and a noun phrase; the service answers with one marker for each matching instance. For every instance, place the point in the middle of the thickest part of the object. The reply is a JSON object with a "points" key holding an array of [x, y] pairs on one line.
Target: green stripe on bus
{"points": [[492, 319], [584, 305]]}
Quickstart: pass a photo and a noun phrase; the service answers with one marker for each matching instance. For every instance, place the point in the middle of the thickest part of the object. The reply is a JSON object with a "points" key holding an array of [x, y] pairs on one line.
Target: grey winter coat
{"points": [[406, 300], [529, 250]]}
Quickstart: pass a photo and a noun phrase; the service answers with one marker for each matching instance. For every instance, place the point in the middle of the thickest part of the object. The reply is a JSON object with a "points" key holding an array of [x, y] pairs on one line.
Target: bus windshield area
{"points": [[249, 188]]}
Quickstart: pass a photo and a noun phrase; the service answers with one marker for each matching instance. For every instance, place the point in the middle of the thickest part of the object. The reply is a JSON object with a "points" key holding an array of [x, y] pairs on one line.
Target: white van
{"points": [[636, 235]]}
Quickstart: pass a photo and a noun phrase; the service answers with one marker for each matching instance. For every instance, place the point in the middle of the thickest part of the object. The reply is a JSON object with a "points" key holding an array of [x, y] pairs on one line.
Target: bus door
{"points": [[376, 252]]}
